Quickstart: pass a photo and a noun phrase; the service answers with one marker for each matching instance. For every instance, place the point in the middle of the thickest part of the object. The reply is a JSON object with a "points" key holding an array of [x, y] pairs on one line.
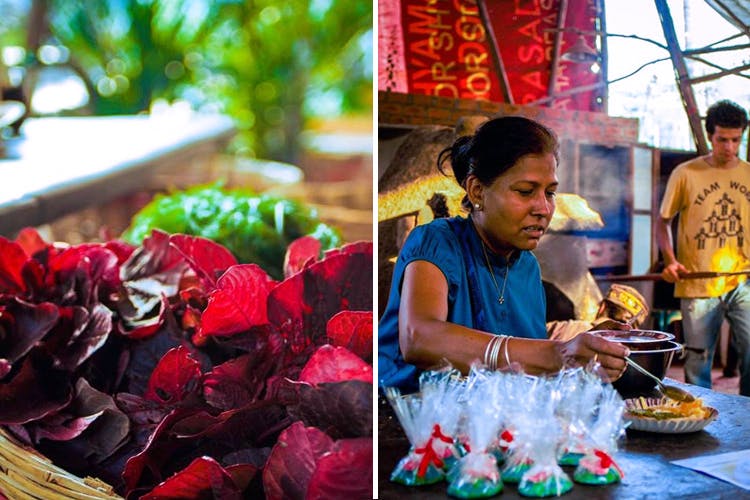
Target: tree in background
{"points": [[272, 66]]}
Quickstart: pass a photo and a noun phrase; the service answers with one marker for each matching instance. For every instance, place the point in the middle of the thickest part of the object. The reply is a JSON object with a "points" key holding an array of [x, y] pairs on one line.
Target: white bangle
{"points": [[492, 351], [505, 352], [496, 350], [487, 350]]}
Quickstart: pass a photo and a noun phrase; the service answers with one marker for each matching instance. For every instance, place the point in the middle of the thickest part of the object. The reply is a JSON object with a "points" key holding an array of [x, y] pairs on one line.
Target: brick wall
{"points": [[417, 109]]}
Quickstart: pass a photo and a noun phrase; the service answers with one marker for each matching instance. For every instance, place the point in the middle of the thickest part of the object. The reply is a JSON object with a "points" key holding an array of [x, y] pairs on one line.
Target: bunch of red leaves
{"points": [[171, 371]]}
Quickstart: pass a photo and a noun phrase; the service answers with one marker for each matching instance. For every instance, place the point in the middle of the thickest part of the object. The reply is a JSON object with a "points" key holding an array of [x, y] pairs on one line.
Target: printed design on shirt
{"points": [[723, 223]]}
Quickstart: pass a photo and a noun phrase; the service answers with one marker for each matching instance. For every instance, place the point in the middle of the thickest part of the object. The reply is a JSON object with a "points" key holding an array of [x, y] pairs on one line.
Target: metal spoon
{"points": [[669, 391]]}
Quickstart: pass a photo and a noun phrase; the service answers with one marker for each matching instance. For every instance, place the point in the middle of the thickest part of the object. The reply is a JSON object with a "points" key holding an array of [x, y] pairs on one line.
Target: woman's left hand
{"points": [[583, 348]]}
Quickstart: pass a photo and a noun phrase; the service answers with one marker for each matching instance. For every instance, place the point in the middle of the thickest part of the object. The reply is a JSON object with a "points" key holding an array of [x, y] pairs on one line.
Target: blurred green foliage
{"points": [[270, 65], [256, 228]]}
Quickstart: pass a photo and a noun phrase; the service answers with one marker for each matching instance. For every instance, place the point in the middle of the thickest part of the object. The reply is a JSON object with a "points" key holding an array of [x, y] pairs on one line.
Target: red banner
{"points": [[442, 48]]}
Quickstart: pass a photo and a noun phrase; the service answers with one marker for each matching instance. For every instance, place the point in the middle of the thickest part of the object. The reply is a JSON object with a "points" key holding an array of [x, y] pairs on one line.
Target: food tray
{"points": [[664, 426]]}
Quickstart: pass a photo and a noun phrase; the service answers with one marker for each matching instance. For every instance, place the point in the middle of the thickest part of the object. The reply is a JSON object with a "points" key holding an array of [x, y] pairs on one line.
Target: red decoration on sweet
{"points": [[606, 461], [428, 456], [438, 433], [507, 436]]}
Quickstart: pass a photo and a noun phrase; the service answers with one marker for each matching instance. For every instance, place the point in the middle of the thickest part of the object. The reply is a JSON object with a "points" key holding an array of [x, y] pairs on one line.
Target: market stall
{"points": [[646, 458]]}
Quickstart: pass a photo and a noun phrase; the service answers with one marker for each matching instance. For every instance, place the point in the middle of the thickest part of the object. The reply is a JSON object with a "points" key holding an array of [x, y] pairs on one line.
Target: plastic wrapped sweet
{"points": [[442, 392], [476, 475], [540, 481], [598, 466], [540, 432], [520, 401], [580, 390], [421, 465]]}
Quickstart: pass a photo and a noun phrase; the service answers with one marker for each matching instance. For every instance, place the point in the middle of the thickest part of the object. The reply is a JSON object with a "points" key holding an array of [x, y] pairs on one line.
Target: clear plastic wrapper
{"points": [[580, 391], [598, 466], [519, 395], [421, 465], [540, 434], [443, 391], [476, 474]]}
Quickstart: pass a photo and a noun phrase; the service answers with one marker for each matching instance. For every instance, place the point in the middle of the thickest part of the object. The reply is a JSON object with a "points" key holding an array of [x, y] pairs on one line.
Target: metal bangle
{"points": [[506, 354], [487, 350], [492, 354], [496, 350]]}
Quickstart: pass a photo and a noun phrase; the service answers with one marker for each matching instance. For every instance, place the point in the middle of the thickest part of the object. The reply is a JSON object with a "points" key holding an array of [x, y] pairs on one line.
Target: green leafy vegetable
{"points": [[255, 228]]}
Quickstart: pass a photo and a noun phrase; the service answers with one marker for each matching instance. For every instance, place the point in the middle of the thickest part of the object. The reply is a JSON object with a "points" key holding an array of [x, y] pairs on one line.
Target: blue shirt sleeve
{"points": [[522, 314], [434, 243]]}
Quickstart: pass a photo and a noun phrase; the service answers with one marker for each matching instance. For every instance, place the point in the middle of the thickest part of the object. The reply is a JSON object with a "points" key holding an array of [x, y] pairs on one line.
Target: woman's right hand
{"points": [[583, 348]]}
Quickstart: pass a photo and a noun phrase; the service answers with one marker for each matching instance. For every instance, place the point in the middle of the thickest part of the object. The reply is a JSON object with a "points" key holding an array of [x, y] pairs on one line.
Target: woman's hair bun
{"points": [[460, 158]]}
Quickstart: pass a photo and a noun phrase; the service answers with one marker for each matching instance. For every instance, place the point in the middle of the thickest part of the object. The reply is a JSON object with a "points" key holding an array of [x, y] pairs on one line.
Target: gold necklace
{"points": [[501, 293]]}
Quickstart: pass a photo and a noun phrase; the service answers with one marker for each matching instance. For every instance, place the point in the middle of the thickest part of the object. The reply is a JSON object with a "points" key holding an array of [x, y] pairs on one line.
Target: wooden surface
{"points": [[58, 166], [645, 458]]}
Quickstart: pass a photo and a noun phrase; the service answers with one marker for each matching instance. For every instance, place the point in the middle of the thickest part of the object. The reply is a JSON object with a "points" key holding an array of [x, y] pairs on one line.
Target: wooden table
{"points": [[644, 457], [58, 166]]}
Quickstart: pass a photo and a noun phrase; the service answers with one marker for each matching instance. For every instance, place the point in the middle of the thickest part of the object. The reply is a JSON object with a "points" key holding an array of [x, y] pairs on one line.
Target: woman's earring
{"points": [[477, 206]]}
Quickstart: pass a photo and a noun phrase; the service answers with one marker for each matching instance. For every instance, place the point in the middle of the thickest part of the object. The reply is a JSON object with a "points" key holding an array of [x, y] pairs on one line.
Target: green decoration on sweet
{"points": [[513, 473], [570, 459], [409, 476], [480, 488], [585, 476], [549, 487], [449, 463]]}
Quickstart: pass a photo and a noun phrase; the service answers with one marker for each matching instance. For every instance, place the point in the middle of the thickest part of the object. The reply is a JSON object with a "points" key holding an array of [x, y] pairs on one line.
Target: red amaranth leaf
{"points": [[353, 330], [121, 249], [344, 472], [31, 241], [335, 364], [238, 381], [91, 426], [292, 462], [238, 302], [146, 468], [23, 325], [87, 338], [302, 304], [242, 473], [174, 377], [154, 256], [206, 258], [36, 390], [86, 270], [351, 248], [136, 327], [341, 409], [203, 478], [190, 432], [299, 253], [12, 259]]}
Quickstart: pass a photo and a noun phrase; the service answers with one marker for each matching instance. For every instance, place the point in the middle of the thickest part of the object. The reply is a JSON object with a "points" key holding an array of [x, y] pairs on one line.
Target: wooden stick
{"points": [[657, 276]]}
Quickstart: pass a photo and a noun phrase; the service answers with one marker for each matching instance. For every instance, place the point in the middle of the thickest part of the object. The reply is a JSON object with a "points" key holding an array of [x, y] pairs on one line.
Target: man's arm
{"points": [[672, 267]]}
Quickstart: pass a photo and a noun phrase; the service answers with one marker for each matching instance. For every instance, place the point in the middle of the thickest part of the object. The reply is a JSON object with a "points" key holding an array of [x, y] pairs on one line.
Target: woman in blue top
{"points": [[468, 289]]}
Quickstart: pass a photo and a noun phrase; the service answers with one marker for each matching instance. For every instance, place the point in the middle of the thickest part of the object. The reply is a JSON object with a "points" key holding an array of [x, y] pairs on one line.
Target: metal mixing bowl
{"points": [[634, 337], [654, 357]]}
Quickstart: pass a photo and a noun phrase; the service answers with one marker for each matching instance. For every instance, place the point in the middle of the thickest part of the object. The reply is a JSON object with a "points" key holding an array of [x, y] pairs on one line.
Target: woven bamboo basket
{"points": [[25, 474]]}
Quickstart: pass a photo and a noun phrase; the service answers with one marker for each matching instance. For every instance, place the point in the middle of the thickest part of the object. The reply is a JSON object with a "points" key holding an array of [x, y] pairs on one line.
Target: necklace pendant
{"points": [[501, 300]]}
